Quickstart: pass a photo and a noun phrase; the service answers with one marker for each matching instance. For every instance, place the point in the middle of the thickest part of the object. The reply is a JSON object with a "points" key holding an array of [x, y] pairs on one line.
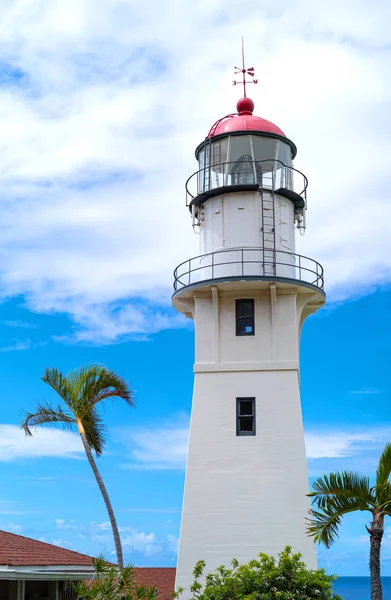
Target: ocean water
{"points": [[358, 588]]}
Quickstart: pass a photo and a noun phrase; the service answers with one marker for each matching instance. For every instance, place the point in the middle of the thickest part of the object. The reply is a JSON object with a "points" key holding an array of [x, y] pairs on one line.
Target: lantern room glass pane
{"points": [[219, 152], [245, 160], [218, 161], [240, 146], [201, 159], [284, 153], [265, 152], [241, 164], [201, 172]]}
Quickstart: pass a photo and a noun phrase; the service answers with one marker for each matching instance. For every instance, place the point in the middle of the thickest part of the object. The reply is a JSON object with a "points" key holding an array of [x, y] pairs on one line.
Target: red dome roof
{"points": [[244, 121]]}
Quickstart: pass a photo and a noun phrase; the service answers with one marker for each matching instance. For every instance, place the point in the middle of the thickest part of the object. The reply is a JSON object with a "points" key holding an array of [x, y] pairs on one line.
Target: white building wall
{"points": [[276, 328], [245, 494], [234, 220]]}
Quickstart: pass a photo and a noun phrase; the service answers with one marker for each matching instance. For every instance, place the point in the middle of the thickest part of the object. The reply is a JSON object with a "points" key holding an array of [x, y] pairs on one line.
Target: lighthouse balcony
{"points": [[246, 174], [249, 264]]}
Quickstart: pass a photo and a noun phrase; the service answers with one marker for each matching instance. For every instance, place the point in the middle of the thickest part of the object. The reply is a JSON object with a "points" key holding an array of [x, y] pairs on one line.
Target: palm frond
{"points": [[345, 485], [383, 494], [82, 389], [323, 524], [94, 383], [108, 384], [81, 379], [95, 430], [46, 414], [384, 467], [59, 383]]}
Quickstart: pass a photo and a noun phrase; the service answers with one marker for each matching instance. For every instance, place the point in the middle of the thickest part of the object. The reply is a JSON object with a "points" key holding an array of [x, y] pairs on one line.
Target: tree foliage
{"points": [[81, 391], [265, 578], [338, 494], [111, 583]]}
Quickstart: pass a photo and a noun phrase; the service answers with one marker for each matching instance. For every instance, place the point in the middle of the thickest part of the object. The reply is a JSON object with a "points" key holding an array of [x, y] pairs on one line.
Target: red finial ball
{"points": [[245, 106]]}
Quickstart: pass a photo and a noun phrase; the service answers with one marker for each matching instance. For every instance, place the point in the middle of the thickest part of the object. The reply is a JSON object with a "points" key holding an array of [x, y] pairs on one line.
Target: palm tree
{"points": [[81, 391], [338, 494]]}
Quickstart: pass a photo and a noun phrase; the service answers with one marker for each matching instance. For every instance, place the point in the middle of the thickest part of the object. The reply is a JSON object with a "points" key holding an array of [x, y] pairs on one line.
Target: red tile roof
{"points": [[162, 577], [17, 550]]}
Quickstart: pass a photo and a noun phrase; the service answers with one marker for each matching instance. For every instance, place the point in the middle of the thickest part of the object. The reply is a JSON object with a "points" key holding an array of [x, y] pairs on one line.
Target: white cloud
{"points": [[164, 447], [15, 345], [45, 442], [341, 444], [366, 392], [133, 541], [101, 108], [158, 448], [20, 324], [13, 528], [13, 508], [104, 526], [173, 541], [62, 524], [168, 510], [142, 542]]}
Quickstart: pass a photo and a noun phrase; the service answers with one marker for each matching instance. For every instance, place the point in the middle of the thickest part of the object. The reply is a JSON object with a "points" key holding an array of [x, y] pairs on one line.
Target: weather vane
{"points": [[244, 71]]}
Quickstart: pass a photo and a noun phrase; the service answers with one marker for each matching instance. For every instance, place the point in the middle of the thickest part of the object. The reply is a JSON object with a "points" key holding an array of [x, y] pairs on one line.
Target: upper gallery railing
{"points": [[251, 263], [265, 174]]}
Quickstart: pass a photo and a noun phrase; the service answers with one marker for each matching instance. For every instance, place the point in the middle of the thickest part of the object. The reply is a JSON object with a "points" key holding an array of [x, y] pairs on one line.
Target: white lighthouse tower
{"points": [[248, 293]]}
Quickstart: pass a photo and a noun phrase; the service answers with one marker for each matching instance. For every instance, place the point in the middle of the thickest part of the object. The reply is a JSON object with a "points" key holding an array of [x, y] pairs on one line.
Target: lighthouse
{"points": [[248, 292]]}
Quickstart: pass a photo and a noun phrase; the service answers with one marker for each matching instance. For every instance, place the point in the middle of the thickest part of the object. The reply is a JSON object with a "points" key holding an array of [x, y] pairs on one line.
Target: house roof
{"points": [[161, 577], [17, 550]]}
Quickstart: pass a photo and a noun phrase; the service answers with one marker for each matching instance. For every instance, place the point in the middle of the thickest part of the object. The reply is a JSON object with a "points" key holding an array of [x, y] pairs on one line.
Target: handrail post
{"points": [[242, 263], [213, 264]]}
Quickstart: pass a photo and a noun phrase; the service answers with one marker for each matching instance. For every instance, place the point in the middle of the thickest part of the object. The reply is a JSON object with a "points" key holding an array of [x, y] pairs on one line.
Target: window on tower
{"points": [[245, 416], [245, 317]]}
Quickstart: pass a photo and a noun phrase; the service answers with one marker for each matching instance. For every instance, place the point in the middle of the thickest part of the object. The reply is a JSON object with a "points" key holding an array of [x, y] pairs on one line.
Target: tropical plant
{"points": [[81, 391], [111, 584], [263, 579], [337, 494]]}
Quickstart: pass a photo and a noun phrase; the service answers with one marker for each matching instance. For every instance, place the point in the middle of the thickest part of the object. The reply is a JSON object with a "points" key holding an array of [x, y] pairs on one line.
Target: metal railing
{"points": [[249, 262], [268, 174], [69, 593]]}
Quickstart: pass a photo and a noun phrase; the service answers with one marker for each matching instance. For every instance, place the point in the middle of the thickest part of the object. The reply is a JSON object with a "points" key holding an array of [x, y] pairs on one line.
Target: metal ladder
{"points": [[268, 229]]}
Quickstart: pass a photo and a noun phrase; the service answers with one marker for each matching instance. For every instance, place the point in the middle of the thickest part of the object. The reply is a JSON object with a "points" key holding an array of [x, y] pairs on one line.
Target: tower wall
{"points": [[245, 494], [235, 220]]}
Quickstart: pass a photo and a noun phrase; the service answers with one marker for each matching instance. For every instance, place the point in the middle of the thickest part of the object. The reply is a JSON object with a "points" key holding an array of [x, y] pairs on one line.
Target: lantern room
{"points": [[243, 152]]}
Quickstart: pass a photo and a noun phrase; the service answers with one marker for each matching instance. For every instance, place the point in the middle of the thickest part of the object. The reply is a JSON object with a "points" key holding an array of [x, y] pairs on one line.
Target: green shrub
{"points": [[263, 579]]}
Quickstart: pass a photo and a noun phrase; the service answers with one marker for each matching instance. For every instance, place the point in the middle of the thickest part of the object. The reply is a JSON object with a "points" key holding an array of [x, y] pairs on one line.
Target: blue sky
{"points": [[345, 394], [101, 108]]}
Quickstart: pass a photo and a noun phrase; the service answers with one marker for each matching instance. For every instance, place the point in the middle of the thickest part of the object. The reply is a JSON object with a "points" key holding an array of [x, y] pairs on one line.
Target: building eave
{"points": [[46, 572]]}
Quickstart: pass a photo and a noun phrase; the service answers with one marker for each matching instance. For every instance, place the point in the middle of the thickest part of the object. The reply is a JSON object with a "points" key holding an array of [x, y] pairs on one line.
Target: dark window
{"points": [[245, 317], [245, 416]]}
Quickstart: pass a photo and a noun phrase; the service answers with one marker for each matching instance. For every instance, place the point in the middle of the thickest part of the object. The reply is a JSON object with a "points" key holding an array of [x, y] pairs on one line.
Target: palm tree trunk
{"points": [[106, 499], [374, 563]]}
